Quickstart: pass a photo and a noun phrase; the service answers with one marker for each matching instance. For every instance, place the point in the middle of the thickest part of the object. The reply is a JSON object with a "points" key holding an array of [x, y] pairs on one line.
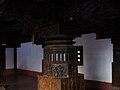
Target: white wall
{"points": [[9, 58], [97, 56], [30, 57]]}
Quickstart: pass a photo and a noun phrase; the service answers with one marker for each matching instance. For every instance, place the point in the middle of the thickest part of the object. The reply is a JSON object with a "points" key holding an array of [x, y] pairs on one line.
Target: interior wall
{"points": [[9, 58], [30, 57], [97, 57]]}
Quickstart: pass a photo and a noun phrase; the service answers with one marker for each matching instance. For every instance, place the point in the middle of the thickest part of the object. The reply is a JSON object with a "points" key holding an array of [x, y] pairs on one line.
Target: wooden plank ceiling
{"points": [[21, 19]]}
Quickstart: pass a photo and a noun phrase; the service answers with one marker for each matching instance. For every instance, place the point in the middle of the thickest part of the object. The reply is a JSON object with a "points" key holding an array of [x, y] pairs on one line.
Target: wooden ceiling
{"points": [[21, 19]]}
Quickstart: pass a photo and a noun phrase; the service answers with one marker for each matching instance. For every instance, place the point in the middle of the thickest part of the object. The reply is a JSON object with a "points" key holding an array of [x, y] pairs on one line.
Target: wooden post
{"points": [[116, 65], [116, 68], [59, 65], [2, 66], [15, 59]]}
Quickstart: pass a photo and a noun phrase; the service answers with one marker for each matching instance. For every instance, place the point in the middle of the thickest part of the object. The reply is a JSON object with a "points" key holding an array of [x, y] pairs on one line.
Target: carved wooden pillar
{"points": [[59, 57], [60, 65], [116, 65], [2, 66]]}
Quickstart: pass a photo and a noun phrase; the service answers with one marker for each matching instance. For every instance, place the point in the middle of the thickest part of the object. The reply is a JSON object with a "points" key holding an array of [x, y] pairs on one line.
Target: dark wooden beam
{"points": [[15, 59]]}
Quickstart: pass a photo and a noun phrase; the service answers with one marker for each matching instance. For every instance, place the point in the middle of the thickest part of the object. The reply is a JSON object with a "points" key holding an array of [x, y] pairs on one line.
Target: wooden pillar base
{"points": [[70, 83], [48, 83]]}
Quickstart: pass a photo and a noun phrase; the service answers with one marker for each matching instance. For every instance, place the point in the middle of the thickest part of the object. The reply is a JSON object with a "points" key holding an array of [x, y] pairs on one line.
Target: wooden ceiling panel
{"points": [[20, 19]]}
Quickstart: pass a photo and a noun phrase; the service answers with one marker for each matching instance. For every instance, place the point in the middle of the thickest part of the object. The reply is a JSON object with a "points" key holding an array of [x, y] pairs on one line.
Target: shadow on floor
{"points": [[20, 82]]}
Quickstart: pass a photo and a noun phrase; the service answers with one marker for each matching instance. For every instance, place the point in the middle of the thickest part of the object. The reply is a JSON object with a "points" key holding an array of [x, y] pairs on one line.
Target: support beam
{"points": [[2, 66], [116, 65], [15, 59]]}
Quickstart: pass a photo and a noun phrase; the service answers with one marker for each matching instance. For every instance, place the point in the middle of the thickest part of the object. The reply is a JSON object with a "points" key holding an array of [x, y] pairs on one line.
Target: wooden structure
{"points": [[75, 17], [60, 66], [52, 83], [116, 66], [2, 66]]}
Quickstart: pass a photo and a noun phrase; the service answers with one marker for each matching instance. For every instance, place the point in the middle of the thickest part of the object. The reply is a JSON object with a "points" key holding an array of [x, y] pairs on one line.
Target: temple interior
{"points": [[59, 45]]}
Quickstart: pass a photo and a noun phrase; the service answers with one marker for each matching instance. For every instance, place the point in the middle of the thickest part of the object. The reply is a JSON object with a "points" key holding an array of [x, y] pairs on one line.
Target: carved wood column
{"points": [[60, 65], [116, 65]]}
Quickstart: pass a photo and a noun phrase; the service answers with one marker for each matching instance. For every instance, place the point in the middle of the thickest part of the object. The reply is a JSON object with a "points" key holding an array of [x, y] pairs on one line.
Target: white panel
{"points": [[9, 58], [30, 57], [97, 57]]}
